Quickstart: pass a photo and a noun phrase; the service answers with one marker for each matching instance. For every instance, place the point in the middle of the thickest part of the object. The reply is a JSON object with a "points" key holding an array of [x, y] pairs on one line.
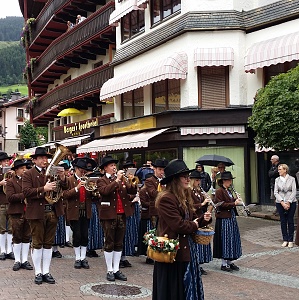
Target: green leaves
{"points": [[275, 113]]}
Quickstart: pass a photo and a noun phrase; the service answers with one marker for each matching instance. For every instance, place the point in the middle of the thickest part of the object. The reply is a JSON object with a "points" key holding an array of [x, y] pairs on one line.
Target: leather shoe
{"points": [[92, 253], [121, 264], [226, 269], [16, 266], [149, 261], [110, 276], [202, 271], [56, 254], [2, 256], [84, 264], [10, 255], [234, 267], [120, 276], [77, 264], [48, 278], [126, 263], [38, 279], [26, 265], [68, 244]]}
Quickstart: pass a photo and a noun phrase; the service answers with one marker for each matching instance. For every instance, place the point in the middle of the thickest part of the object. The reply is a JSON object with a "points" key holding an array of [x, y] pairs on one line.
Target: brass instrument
{"points": [[89, 183], [246, 211], [211, 202], [54, 195]]}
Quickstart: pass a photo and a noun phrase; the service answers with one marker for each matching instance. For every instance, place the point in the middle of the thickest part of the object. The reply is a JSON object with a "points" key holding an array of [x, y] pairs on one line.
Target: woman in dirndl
{"points": [[181, 279], [201, 202], [227, 241]]}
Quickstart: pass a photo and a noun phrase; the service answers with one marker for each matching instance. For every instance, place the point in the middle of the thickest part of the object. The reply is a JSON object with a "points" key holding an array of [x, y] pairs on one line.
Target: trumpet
{"points": [[211, 202], [246, 211], [89, 183]]}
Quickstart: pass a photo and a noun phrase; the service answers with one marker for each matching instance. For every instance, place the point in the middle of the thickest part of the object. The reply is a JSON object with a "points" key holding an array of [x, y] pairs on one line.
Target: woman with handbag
{"points": [[285, 195], [177, 219]]}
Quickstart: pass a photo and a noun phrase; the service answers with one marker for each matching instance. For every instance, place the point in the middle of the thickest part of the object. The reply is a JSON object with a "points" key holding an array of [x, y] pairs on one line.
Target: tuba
{"points": [[53, 196]]}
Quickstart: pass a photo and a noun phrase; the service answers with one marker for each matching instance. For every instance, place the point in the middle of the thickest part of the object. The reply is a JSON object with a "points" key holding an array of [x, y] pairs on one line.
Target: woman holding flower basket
{"points": [[177, 221]]}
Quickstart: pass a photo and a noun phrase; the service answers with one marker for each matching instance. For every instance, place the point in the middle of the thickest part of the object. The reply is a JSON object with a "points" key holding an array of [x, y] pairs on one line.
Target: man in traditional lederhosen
{"points": [[5, 224], [42, 216], [79, 209], [115, 208], [153, 187], [16, 210]]}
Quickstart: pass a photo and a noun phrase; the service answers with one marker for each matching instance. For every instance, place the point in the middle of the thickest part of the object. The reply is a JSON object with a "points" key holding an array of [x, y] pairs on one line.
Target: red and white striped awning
{"points": [[123, 8], [221, 56], [130, 141], [172, 67], [271, 52], [212, 130]]}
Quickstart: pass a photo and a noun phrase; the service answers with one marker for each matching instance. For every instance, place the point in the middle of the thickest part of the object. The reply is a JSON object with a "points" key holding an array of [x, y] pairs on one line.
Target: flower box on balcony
{"points": [[20, 119]]}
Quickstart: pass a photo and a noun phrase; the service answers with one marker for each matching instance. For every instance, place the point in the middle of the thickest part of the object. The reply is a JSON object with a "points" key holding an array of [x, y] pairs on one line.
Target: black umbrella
{"points": [[214, 160]]}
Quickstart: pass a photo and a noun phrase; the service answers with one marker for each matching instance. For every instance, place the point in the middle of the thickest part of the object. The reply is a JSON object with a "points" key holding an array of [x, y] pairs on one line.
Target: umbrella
{"points": [[69, 112], [214, 160]]}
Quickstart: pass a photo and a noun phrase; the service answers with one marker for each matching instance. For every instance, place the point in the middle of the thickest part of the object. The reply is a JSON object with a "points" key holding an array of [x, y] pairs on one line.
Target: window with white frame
{"points": [[131, 24], [20, 113], [132, 104], [161, 9], [19, 127]]}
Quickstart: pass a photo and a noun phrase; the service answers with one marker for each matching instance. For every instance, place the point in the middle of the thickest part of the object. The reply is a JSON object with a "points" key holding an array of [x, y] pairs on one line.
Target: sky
{"points": [[9, 8]]}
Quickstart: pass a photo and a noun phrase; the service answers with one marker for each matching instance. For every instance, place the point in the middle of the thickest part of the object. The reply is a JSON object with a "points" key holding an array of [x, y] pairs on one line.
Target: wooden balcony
{"points": [[51, 21], [81, 92], [86, 40]]}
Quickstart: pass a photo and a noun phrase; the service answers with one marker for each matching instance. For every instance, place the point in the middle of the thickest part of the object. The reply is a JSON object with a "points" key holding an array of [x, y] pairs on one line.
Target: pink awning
{"points": [[221, 56], [172, 67], [122, 9], [272, 52], [212, 130]]}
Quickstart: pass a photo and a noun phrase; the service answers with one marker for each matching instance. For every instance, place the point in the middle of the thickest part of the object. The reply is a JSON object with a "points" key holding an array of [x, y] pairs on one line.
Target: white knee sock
{"points": [[9, 243], [17, 252], [36, 255], [25, 251], [2, 243], [83, 253], [67, 233], [108, 259], [77, 253], [116, 260], [47, 256], [224, 262]]}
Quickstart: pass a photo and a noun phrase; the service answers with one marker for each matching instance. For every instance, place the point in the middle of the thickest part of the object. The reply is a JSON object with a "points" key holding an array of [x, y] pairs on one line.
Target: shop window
{"points": [[166, 95], [161, 9], [213, 87], [274, 70], [132, 24], [168, 154], [132, 104]]}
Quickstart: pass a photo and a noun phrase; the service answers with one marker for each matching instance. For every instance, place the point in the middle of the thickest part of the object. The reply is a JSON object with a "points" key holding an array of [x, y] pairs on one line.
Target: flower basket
{"points": [[161, 249], [203, 235]]}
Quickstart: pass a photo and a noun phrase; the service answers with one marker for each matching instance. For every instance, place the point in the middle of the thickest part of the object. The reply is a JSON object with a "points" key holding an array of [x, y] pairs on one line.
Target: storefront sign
{"points": [[128, 126], [78, 127]]}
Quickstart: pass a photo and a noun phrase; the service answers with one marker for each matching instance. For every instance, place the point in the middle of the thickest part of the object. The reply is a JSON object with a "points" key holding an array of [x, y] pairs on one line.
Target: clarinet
{"points": [[207, 196], [245, 209]]}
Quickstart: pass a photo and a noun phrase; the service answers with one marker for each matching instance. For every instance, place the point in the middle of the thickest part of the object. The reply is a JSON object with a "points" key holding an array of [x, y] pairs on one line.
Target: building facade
{"points": [[155, 78]]}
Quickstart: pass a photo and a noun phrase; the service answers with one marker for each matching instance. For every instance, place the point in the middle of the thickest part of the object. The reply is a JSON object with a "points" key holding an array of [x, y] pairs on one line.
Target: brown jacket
{"points": [[33, 190], [73, 200], [151, 185], [15, 196], [108, 188], [174, 222], [226, 207], [3, 199], [145, 203]]}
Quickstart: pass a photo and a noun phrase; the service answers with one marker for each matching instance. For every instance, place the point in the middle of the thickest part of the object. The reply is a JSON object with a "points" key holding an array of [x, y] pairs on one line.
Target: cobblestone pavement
{"points": [[267, 271]]}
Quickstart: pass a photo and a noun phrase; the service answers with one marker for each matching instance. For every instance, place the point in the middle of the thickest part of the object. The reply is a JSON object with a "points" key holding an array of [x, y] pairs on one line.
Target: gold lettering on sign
{"points": [[77, 127]]}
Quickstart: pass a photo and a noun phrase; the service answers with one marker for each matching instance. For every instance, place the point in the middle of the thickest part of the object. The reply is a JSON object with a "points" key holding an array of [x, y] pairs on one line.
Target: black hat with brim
{"points": [[160, 163], [108, 160], [226, 175], [85, 163], [20, 163], [3, 155], [175, 168], [196, 175], [128, 164], [41, 151]]}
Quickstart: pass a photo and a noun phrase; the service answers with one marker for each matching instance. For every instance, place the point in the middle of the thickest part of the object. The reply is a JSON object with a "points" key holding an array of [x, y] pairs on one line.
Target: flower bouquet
{"points": [[160, 249]]}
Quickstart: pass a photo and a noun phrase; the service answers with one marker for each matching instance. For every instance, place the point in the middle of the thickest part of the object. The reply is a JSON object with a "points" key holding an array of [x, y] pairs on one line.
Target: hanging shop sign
{"points": [[78, 128]]}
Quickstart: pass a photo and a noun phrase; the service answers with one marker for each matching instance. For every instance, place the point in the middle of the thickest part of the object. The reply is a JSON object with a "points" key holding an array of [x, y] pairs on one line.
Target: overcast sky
{"points": [[9, 8]]}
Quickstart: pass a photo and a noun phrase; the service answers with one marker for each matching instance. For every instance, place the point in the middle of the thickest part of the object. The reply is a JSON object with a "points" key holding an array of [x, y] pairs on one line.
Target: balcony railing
{"points": [[83, 32], [87, 83], [45, 15]]}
